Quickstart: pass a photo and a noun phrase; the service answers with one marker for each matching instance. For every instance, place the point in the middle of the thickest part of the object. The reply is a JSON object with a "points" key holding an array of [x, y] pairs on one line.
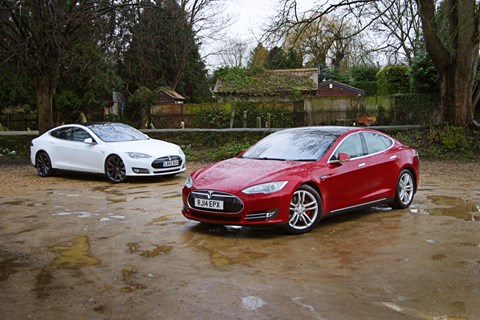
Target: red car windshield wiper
{"points": [[267, 158]]}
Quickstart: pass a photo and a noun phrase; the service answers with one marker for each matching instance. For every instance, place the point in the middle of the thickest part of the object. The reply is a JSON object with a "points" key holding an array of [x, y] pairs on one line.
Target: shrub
{"points": [[211, 118], [393, 79]]}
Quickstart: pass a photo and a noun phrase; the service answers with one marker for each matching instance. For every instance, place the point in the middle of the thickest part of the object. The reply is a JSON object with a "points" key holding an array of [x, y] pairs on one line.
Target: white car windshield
{"points": [[116, 132]]}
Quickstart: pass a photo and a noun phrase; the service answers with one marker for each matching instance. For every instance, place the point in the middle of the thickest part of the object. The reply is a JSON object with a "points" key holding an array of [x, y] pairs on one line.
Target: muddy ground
{"points": [[78, 247]]}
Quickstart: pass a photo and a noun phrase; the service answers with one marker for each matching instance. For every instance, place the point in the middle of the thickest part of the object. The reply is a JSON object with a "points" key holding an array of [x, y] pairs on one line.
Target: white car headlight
{"points": [[189, 182], [266, 188], [138, 155]]}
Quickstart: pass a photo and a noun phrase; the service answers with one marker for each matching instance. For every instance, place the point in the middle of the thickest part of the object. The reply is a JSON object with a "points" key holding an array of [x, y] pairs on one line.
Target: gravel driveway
{"points": [[77, 247]]}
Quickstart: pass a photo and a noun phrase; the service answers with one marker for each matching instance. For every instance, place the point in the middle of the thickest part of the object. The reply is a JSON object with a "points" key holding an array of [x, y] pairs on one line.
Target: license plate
{"points": [[170, 163], [209, 204]]}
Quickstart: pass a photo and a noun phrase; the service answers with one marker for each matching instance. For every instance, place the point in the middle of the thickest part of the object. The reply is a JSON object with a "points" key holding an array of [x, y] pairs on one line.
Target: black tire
{"points": [[305, 210], [404, 191], [43, 164], [115, 169]]}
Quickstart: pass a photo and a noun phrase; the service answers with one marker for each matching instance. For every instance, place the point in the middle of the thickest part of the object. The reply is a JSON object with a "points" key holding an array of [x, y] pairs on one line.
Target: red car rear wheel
{"points": [[405, 190]]}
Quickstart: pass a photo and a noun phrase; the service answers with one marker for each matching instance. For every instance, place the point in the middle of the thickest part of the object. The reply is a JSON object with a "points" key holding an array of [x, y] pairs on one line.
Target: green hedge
{"points": [[434, 142], [412, 109], [393, 79]]}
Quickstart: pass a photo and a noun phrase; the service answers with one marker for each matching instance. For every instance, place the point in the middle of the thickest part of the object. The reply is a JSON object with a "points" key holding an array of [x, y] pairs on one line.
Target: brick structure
{"points": [[332, 88]]}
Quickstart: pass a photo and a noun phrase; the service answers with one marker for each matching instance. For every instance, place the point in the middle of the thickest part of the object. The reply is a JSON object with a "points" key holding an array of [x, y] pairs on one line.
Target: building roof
{"points": [[335, 88], [172, 94], [271, 82]]}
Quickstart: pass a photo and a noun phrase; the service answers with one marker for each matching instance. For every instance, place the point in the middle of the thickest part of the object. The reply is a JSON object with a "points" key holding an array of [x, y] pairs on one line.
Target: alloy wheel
{"points": [[304, 210], [43, 164], [115, 169]]}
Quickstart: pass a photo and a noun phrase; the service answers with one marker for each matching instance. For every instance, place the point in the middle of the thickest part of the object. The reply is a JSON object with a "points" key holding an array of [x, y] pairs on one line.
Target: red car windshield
{"points": [[305, 144]]}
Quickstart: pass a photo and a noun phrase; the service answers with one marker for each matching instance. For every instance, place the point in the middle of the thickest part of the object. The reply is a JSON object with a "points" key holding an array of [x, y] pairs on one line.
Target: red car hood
{"points": [[236, 174]]}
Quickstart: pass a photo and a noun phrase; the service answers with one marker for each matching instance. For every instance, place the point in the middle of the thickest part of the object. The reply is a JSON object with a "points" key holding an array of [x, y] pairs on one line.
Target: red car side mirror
{"points": [[342, 157]]}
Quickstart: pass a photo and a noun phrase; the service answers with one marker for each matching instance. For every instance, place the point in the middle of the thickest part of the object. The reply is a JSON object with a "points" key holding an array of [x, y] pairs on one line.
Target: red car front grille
{"points": [[204, 216]]}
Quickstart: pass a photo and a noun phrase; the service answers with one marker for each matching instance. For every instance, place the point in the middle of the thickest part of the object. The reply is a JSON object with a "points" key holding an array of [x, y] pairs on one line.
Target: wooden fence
{"points": [[19, 122]]}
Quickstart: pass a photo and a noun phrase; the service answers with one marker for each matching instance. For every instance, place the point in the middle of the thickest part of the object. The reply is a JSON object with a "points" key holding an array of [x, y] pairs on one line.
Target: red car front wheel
{"points": [[305, 209]]}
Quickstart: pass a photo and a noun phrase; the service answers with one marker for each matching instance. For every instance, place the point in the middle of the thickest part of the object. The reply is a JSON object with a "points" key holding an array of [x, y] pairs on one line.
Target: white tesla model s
{"points": [[114, 149]]}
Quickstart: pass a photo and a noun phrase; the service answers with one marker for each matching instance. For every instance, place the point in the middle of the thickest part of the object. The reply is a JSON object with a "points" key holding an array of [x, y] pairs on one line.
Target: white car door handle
{"points": [[362, 164]]}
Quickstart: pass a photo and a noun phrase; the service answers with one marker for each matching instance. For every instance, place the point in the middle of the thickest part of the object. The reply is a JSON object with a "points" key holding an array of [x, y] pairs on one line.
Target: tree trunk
{"points": [[453, 47], [456, 87], [44, 94]]}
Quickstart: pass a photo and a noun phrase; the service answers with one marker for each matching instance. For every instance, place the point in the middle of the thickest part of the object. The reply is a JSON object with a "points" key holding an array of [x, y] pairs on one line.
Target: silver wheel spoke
{"points": [[294, 219], [311, 206], [306, 219]]}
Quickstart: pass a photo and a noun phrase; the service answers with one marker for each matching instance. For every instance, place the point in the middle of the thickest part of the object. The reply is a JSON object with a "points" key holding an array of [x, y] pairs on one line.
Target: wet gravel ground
{"points": [[77, 247]]}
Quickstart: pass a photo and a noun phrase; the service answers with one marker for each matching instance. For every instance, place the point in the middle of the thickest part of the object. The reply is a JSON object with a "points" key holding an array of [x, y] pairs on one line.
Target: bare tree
{"points": [[326, 41], [399, 24], [312, 41], [451, 36], [234, 54], [207, 20]]}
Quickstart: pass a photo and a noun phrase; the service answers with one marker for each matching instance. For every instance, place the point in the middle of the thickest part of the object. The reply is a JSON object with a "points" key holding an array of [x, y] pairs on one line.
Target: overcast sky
{"points": [[251, 15], [249, 18]]}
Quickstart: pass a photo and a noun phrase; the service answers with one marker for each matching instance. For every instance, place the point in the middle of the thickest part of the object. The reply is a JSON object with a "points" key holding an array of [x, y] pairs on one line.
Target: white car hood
{"points": [[153, 147]]}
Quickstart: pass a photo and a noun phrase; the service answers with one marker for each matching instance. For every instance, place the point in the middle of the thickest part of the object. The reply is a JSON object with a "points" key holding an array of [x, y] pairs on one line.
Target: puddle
{"points": [[86, 214], [14, 203], [75, 256], [112, 217], [252, 303], [132, 247], [172, 196], [79, 214], [227, 251], [454, 207], [8, 267], [72, 257], [24, 231], [128, 275], [37, 204], [117, 200], [157, 251], [439, 257], [160, 219]]}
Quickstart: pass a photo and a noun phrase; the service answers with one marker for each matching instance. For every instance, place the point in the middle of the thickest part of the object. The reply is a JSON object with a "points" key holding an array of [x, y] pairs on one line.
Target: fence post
{"points": [[232, 117], [259, 122], [268, 122], [244, 119]]}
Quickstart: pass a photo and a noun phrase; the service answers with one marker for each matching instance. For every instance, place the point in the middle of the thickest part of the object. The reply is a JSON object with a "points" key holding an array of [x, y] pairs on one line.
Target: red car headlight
{"points": [[266, 188]]}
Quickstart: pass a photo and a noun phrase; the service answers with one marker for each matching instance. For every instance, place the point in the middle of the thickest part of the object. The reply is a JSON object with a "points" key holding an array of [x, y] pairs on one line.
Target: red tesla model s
{"points": [[296, 177]]}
